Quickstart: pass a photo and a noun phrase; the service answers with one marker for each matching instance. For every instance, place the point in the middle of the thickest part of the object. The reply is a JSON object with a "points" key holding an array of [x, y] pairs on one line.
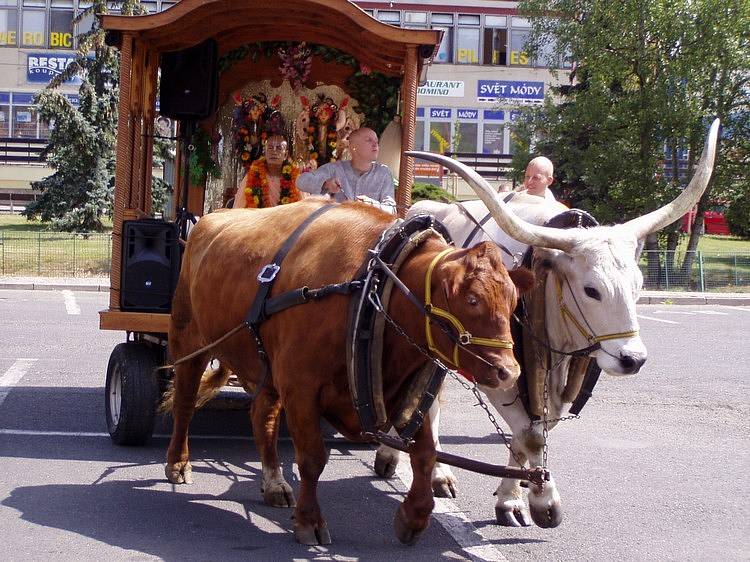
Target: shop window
{"points": [[440, 137], [85, 24], [167, 5], [32, 28], [492, 138], [9, 3], [465, 137], [151, 7], [61, 29], [419, 136], [35, 3], [4, 120], [9, 27], [62, 4], [24, 121]]}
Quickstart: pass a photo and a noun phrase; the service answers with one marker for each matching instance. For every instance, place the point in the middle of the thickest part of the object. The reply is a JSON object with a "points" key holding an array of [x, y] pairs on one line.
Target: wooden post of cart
{"points": [[132, 389]]}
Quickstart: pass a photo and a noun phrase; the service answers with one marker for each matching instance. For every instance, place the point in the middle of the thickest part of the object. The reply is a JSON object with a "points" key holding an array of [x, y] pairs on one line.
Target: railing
{"points": [[489, 166], [21, 151], [54, 254], [696, 271]]}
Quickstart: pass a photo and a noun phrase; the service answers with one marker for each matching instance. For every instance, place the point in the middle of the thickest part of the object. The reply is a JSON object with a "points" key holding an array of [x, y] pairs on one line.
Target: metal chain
{"points": [[473, 388]]}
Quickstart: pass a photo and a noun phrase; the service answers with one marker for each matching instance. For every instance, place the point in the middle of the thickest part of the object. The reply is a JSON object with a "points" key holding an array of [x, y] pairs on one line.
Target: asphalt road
{"points": [[655, 469]]}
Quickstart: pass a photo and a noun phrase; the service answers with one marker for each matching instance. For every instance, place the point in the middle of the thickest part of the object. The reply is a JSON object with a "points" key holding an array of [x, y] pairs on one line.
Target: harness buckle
{"points": [[464, 338], [268, 273]]}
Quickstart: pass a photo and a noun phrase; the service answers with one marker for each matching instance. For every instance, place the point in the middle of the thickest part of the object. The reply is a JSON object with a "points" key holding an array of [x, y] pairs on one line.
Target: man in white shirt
{"points": [[361, 178]]}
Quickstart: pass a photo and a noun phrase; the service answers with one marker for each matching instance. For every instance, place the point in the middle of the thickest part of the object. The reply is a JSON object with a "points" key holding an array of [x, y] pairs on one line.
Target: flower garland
{"points": [[296, 61], [256, 186]]}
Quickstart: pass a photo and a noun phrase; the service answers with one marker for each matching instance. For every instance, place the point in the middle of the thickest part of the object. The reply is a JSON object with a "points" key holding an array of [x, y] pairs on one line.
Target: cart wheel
{"points": [[131, 393]]}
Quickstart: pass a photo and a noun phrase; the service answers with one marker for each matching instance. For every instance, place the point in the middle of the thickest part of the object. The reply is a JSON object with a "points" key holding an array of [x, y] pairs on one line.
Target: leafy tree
{"points": [[78, 195], [423, 190], [648, 75]]}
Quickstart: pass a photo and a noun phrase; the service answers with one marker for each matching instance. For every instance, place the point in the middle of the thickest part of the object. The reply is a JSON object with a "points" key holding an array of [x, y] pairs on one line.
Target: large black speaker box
{"points": [[189, 85], [151, 255]]}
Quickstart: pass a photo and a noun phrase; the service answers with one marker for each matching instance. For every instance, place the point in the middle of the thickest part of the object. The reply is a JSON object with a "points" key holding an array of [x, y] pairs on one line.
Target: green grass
{"points": [[710, 243]]}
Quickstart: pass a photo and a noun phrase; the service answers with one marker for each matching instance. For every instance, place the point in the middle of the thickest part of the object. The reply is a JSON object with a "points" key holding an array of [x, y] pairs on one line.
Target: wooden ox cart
{"points": [[368, 48]]}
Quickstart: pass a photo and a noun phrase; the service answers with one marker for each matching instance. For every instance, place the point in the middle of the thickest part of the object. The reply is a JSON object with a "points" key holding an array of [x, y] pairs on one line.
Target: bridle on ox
{"points": [[464, 337]]}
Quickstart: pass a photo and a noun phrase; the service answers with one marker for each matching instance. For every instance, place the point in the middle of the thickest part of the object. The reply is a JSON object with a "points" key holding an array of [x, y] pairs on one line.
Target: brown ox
{"points": [[306, 343]]}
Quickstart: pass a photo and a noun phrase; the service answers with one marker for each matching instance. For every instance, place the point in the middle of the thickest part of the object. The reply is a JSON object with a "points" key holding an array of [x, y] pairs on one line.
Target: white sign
{"points": [[442, 89]]}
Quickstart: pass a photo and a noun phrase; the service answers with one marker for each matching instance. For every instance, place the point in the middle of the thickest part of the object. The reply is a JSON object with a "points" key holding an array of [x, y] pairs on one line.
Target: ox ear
{"points": [[523, 279], [455, 272]]}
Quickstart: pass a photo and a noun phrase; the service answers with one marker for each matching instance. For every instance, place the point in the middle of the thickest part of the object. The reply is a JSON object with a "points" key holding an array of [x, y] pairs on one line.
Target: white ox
{"points": [[597, 268]]}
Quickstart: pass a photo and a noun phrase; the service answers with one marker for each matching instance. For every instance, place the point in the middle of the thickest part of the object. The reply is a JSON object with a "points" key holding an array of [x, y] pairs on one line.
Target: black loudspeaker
{"points": [[151, 256], [189, 86]]}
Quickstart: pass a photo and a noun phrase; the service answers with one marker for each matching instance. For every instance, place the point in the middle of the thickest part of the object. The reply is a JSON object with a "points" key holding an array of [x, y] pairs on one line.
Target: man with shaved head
{"points": [[361, 178], [538, 177]]}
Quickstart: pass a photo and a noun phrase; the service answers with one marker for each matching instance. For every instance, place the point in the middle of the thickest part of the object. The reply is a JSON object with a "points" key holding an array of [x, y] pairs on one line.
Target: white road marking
{"points": [[35, 433], [714, 312], [687, 312], [70, 302], [13, 375], [453, 520], [657, 319]]}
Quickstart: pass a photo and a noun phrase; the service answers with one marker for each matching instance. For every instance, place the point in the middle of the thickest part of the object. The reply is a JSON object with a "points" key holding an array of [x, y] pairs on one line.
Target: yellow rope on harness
{"points": [[568, 315], [464, 337]]}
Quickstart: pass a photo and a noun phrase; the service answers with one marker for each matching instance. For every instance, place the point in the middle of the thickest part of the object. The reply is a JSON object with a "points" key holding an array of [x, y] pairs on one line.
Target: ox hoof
{"points": [[279, 494], [179, 472], [312, 535], [510, 516], [548, 518], [404, 533], [444, 487], [385, 464], [545, 506]]}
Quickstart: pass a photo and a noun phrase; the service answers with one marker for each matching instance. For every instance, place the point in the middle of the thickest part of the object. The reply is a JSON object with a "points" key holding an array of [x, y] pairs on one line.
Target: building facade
{"points": [[480, 77]]}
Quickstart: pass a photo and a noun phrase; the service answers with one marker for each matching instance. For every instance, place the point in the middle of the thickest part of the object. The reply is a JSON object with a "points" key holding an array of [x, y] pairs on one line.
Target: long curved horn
{"points": [[514, 226], [658, 219]]}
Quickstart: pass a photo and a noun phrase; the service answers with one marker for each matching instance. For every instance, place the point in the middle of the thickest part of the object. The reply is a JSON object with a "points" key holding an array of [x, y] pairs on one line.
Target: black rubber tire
{"points": [[131, 385]]}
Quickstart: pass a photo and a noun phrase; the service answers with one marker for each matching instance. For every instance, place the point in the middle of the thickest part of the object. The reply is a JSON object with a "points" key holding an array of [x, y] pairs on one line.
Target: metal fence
{"points": [[696, 271], [54, 254], [60, 254]]}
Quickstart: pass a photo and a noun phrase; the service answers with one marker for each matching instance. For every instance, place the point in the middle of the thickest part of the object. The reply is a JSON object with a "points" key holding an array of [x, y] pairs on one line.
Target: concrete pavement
{"points": [[102, 284]]}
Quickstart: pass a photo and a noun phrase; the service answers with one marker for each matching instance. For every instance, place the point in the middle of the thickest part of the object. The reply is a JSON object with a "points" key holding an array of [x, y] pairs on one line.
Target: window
{"points": [[415, 19], [467, 40], [9, 27], [518, 54], [150, 7], [495, 46], [61, 29], [9, 3], [24, 121], [32, 28], [492, 138], [394, 18], [465, 137], [35, 3], [62, 3], [419, 135], [4, 115], [445, 52], [440, 136]]}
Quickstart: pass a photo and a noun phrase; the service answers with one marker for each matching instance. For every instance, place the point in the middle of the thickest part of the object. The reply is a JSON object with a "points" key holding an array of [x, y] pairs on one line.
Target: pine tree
{"points": [[78, 195]]}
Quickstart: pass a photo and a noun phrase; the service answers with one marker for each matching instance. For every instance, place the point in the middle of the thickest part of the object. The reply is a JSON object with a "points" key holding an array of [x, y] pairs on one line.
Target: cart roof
{"points": [[232, 23]]}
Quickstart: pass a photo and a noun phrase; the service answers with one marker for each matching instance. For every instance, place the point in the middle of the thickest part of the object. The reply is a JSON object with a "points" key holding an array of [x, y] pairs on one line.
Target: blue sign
{"points": [[43, 67], [26, 99], [514, 115], [420, 112], [440, 113], [491, 115], [468, 113], [4, 97], [512, 90]]}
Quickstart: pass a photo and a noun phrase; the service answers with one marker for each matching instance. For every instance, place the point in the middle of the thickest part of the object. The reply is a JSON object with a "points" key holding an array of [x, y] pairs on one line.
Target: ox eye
{"points": [[592, 293], [472, 300]]}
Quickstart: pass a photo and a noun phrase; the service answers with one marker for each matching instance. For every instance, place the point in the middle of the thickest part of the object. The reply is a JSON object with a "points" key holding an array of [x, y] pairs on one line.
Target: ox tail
{"points": [[211, 382]]}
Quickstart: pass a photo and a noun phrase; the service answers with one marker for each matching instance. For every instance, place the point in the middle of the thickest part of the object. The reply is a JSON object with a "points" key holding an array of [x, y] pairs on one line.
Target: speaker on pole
{"points": [[150, 265], [189, 86]]}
